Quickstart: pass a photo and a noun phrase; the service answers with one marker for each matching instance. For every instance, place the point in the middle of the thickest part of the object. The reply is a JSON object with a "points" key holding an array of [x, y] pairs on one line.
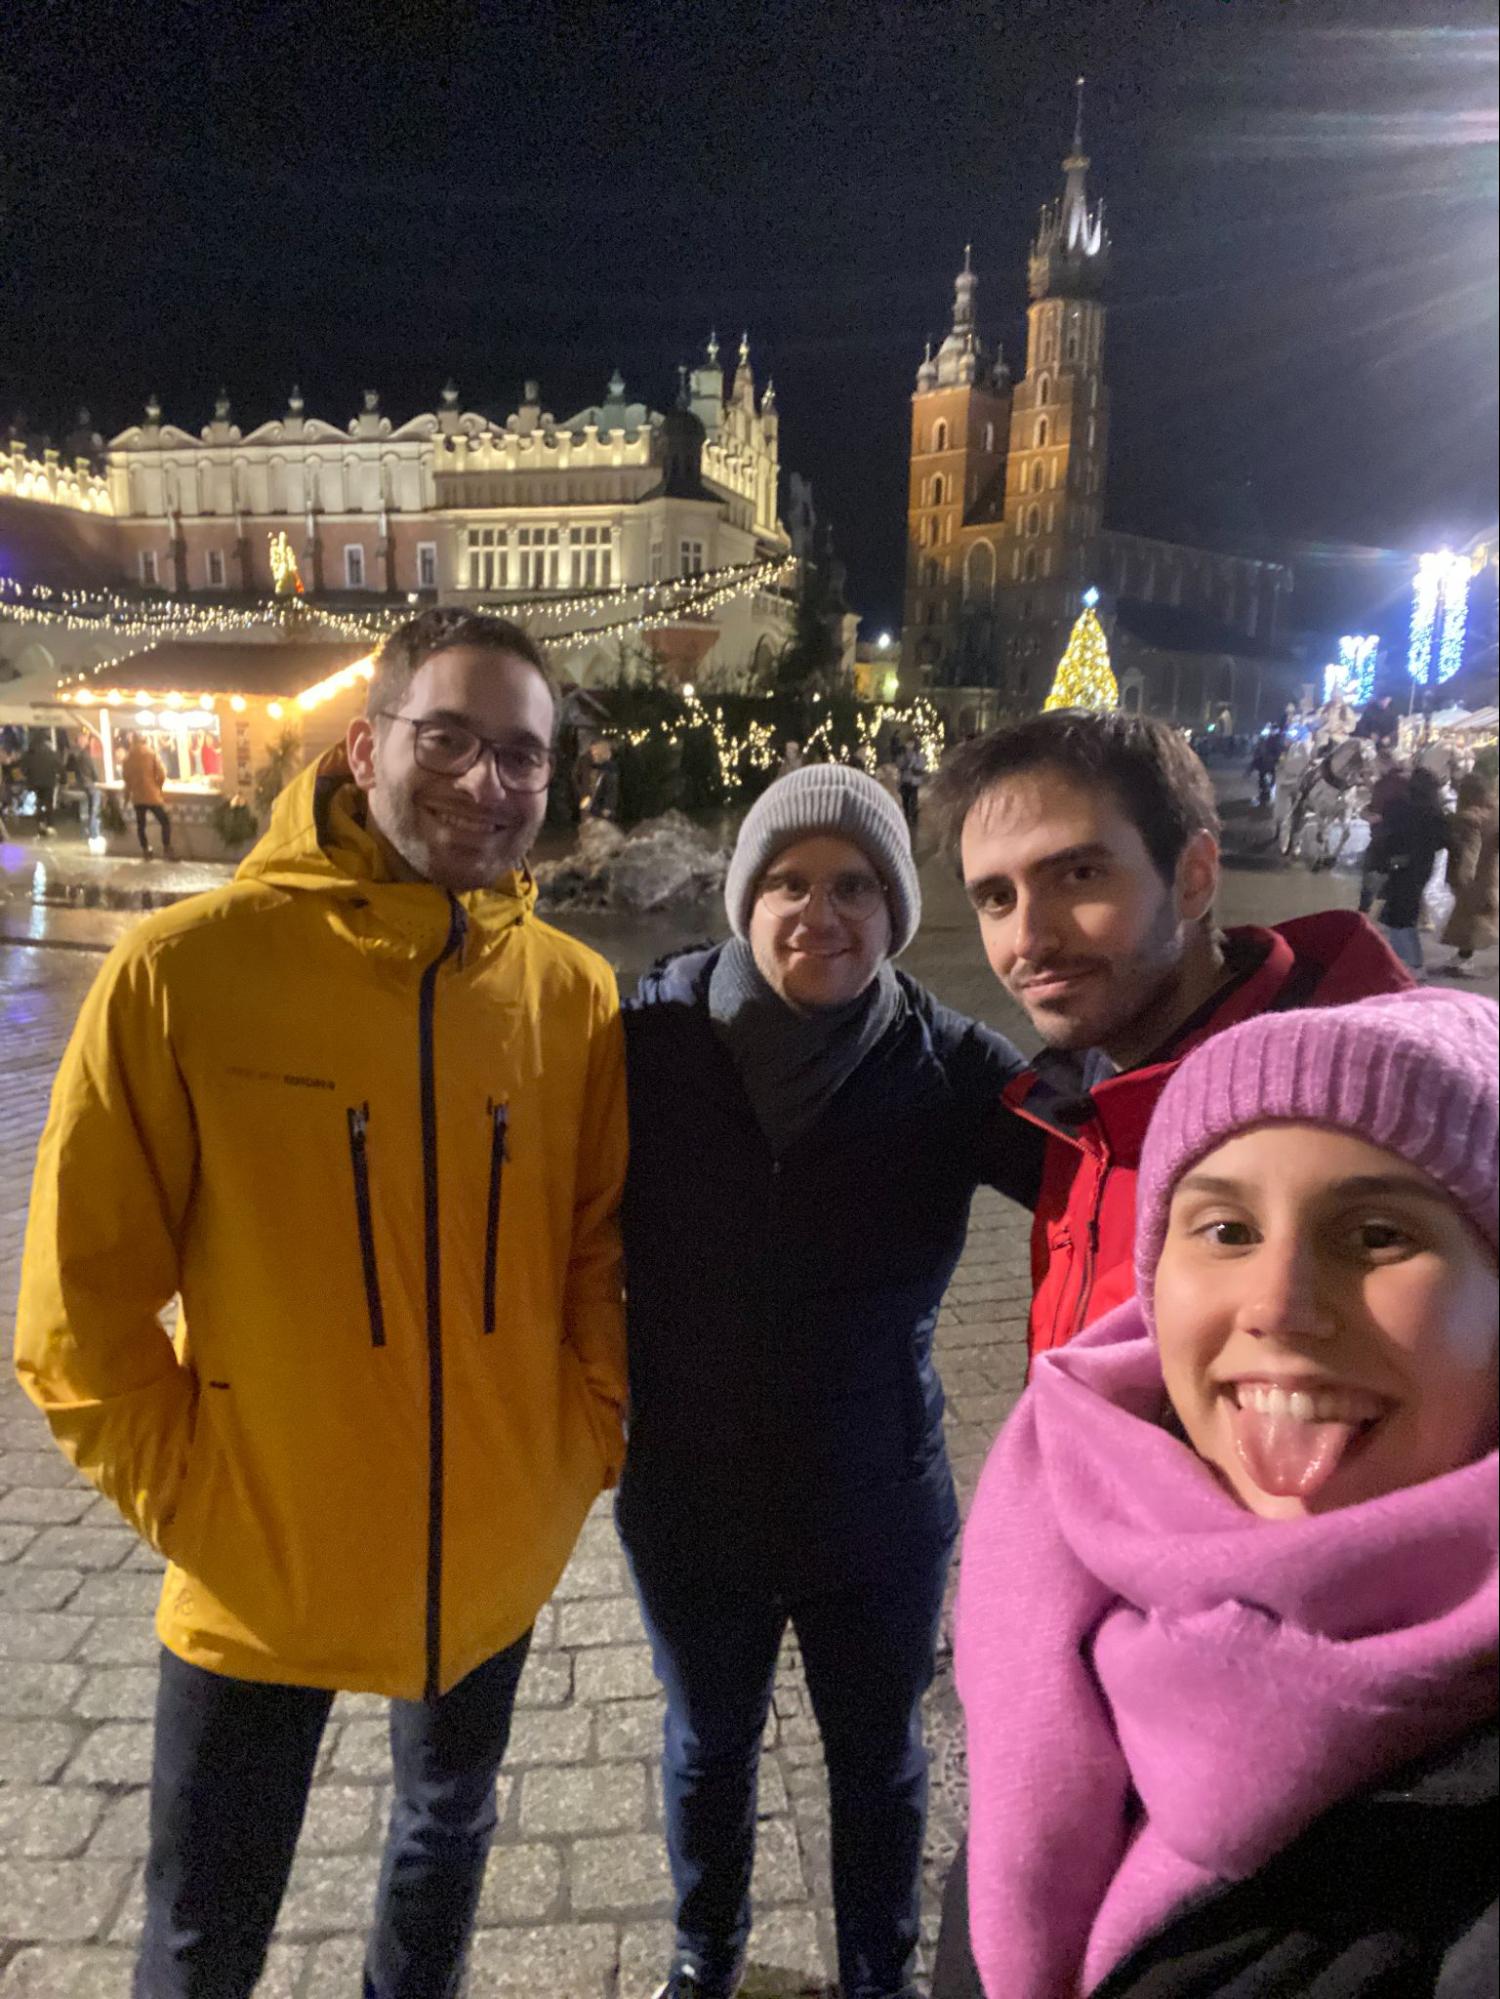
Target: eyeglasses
{"points": [[448, 749], [853, 896]]}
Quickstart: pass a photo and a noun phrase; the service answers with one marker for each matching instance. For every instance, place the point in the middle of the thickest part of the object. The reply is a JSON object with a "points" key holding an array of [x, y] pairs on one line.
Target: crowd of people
{"points": [[1227, 1609], [36, 773]]}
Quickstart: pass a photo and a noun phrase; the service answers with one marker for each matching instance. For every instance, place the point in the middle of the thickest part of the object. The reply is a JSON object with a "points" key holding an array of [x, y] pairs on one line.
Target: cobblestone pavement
{"points": [[576, 1895]]}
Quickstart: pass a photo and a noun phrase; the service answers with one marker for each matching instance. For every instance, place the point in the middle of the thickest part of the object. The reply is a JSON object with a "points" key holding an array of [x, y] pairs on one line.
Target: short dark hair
{"points": [[405, 649], [1160, 783]]}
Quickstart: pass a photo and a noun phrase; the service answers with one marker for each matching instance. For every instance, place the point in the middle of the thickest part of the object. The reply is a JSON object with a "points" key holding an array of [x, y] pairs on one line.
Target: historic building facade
{"points": [[637, 523], [1005, 513]]}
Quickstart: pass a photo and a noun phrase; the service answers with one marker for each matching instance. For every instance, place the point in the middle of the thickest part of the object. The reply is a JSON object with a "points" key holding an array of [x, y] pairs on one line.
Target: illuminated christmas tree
{"points": [[1084, 679]]}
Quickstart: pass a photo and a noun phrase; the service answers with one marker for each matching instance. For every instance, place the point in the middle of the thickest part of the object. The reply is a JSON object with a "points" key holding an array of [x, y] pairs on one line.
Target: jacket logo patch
{"points": [[275, 1076]]}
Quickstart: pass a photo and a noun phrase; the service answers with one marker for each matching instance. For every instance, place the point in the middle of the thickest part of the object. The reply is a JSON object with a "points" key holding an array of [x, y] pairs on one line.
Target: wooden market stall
{"points": [[231, 721]]}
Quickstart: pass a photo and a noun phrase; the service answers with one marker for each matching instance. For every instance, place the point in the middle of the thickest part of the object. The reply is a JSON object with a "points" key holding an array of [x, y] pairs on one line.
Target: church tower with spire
{"points": [[960, 419], [1006, 483]]}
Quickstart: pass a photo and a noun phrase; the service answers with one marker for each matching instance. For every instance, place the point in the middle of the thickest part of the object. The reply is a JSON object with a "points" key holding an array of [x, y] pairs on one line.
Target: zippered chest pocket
{"points": [[358, 1116], [499, 1121]]}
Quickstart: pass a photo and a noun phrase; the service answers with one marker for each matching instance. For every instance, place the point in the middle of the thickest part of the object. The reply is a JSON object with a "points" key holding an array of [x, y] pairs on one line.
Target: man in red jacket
{"points": [[1089, 846]]}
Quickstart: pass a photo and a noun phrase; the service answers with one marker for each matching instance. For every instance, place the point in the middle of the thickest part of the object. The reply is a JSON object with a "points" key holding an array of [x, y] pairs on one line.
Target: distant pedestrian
{"points": [[791, 757], [83, 772], [601, 799], [1379, 722], [911, 774], [1270, 748], [1473, 874], [1413, 832], [144, 778], [1391, 786], [42, 769]]}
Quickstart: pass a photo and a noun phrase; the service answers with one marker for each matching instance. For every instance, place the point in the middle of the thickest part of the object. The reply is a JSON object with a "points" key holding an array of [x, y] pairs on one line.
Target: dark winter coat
{"points": [[1405, 849], [1389, 1895], [1084, 1234], [41, 764], [785, 1413]]}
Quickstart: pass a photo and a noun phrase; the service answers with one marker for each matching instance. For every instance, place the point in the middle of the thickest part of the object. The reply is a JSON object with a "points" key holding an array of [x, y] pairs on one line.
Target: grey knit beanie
{"points": [[827, 798]]}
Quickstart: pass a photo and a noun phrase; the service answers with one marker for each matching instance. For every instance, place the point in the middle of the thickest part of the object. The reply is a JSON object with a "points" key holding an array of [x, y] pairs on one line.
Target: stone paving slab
{"points": [[576, 1898]]}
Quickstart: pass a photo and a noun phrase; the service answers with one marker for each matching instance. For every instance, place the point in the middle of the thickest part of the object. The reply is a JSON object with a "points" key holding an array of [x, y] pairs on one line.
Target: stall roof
{"points": [[266, 671], [63, 547]]}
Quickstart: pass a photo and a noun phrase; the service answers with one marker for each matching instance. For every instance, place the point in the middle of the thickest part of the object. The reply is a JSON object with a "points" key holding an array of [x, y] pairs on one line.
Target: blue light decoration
{"points": [[1352, 674], [1439, 617]]}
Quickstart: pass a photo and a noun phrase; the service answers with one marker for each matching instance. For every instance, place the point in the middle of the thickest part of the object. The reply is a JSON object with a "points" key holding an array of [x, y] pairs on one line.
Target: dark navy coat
{"points": [[785, 1414]]}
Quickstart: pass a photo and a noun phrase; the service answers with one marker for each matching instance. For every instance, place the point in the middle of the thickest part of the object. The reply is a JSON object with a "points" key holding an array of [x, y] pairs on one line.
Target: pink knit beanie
{"points": [[1417, 1072]]}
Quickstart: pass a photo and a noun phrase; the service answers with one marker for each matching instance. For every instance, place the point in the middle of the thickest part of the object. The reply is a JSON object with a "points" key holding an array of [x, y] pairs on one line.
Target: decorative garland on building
{"points": [[681, 599]]}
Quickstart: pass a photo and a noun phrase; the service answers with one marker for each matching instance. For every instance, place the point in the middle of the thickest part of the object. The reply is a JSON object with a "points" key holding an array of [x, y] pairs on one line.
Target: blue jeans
{"points": [[868, 1649], [1407, 945], [229, 1783]]}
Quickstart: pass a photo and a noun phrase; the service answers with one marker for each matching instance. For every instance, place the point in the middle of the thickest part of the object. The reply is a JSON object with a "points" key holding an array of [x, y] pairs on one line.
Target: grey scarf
{"points": [[791, 1063]]}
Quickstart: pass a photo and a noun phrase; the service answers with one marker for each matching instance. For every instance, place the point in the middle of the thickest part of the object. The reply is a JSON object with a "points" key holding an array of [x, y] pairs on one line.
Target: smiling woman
{"points": [[1258, 1507]]}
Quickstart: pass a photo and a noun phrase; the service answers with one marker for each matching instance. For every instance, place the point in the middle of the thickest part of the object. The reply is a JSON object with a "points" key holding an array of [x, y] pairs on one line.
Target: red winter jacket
{"points": [[1083, 1235]]}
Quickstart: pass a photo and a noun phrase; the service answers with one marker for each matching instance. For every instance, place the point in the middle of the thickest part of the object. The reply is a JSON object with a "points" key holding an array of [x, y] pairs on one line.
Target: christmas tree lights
{"points": [[1439, 617], [1084, 677]]}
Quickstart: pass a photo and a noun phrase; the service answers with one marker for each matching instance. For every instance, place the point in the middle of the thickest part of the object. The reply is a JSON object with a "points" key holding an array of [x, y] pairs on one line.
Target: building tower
{"points": [[1054, 475], [960, 417]]}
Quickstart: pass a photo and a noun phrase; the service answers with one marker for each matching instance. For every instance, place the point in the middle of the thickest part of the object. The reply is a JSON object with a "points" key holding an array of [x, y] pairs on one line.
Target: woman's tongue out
{"points": [[1292, 1441]]}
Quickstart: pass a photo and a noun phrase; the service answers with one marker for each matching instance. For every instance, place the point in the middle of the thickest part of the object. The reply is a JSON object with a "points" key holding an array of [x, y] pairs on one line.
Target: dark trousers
{"points": [[159, 814], [868, 1650], [954, 1973], [229, 1783]]}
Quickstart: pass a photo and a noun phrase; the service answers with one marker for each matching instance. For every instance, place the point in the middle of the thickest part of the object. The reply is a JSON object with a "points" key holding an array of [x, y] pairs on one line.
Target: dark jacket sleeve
{"points": [[1469, 1969], [981, 1062]]}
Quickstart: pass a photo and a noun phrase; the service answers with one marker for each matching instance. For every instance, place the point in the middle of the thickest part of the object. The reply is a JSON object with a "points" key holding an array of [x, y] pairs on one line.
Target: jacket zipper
{"points": [[427, 1062], [499, 1153], [1090, 1251], [359, 1124]]}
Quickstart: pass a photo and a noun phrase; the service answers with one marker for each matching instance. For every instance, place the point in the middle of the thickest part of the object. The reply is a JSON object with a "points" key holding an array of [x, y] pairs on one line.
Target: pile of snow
{"points": [[663, 861]]}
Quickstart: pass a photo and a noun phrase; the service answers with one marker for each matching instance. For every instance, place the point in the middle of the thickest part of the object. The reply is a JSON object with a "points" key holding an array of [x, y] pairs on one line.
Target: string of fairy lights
{"points": [[756, 748], [680, 599]]}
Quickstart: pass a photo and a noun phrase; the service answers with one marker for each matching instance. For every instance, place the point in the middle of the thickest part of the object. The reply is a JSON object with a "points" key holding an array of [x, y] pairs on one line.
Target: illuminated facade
{"points": [[1005, 511]]}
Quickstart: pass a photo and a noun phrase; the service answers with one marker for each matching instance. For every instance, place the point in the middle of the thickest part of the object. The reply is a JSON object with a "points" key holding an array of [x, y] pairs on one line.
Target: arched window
{"points": [[1043, 392], [1043, 434], [939, 489], [1038, 476], [1033, 520], [1028, 567], [1071, 349], [940, 434]]}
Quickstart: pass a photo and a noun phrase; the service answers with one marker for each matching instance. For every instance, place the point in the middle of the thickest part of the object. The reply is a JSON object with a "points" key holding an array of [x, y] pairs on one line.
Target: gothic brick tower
{"points": [[1006, 484], [960, 421]]}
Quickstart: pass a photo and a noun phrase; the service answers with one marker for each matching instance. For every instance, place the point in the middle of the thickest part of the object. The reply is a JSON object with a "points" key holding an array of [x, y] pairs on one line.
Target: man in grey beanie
{"points": [[808, 1126]]}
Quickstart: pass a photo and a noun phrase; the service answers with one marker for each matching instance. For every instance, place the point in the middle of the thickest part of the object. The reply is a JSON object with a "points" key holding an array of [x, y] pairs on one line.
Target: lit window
{"points": [[427, 565], [216, 569], [354, 566]]}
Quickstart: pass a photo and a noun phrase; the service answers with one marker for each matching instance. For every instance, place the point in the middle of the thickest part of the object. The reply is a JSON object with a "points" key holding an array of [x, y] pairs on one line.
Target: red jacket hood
{"points": [[1085, 1219]]}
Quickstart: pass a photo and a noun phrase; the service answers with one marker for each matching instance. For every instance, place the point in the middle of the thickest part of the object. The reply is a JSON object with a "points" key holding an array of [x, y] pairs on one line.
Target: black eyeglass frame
{"points": [[482, 745]]}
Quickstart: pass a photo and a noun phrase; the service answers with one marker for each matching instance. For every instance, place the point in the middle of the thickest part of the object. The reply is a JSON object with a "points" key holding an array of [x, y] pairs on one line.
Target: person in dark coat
{"points": [[1379, 723], [42, 768], [808, 1127], [1226, 1629], [1413, 831]]}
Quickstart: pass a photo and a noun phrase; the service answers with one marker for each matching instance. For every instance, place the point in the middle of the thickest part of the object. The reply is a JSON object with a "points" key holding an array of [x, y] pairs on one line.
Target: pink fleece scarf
{"points": [[1161, 1690]]}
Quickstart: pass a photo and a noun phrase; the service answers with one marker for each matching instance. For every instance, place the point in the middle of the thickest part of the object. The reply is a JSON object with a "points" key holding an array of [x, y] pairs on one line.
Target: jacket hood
{"points": [[319, 840]]}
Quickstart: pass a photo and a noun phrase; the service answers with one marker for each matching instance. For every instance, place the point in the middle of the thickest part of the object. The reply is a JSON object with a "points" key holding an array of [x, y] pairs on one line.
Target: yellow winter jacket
{"points": [[372, 1137]]}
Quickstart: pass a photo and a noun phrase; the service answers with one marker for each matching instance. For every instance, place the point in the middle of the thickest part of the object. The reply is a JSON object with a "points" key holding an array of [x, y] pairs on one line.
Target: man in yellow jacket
{"points": [[363, 1116]]}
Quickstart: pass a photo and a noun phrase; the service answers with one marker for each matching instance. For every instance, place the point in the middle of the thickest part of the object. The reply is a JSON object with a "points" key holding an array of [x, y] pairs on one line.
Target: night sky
{"points": [[1302, 196]]}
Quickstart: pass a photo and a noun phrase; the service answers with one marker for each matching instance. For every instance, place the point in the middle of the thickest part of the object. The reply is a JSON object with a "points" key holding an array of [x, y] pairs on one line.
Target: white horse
{"points": [[1320, 793]]}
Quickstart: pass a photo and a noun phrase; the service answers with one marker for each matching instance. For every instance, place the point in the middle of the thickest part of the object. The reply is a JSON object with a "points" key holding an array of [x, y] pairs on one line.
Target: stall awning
{"points": [[200, 669]]}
